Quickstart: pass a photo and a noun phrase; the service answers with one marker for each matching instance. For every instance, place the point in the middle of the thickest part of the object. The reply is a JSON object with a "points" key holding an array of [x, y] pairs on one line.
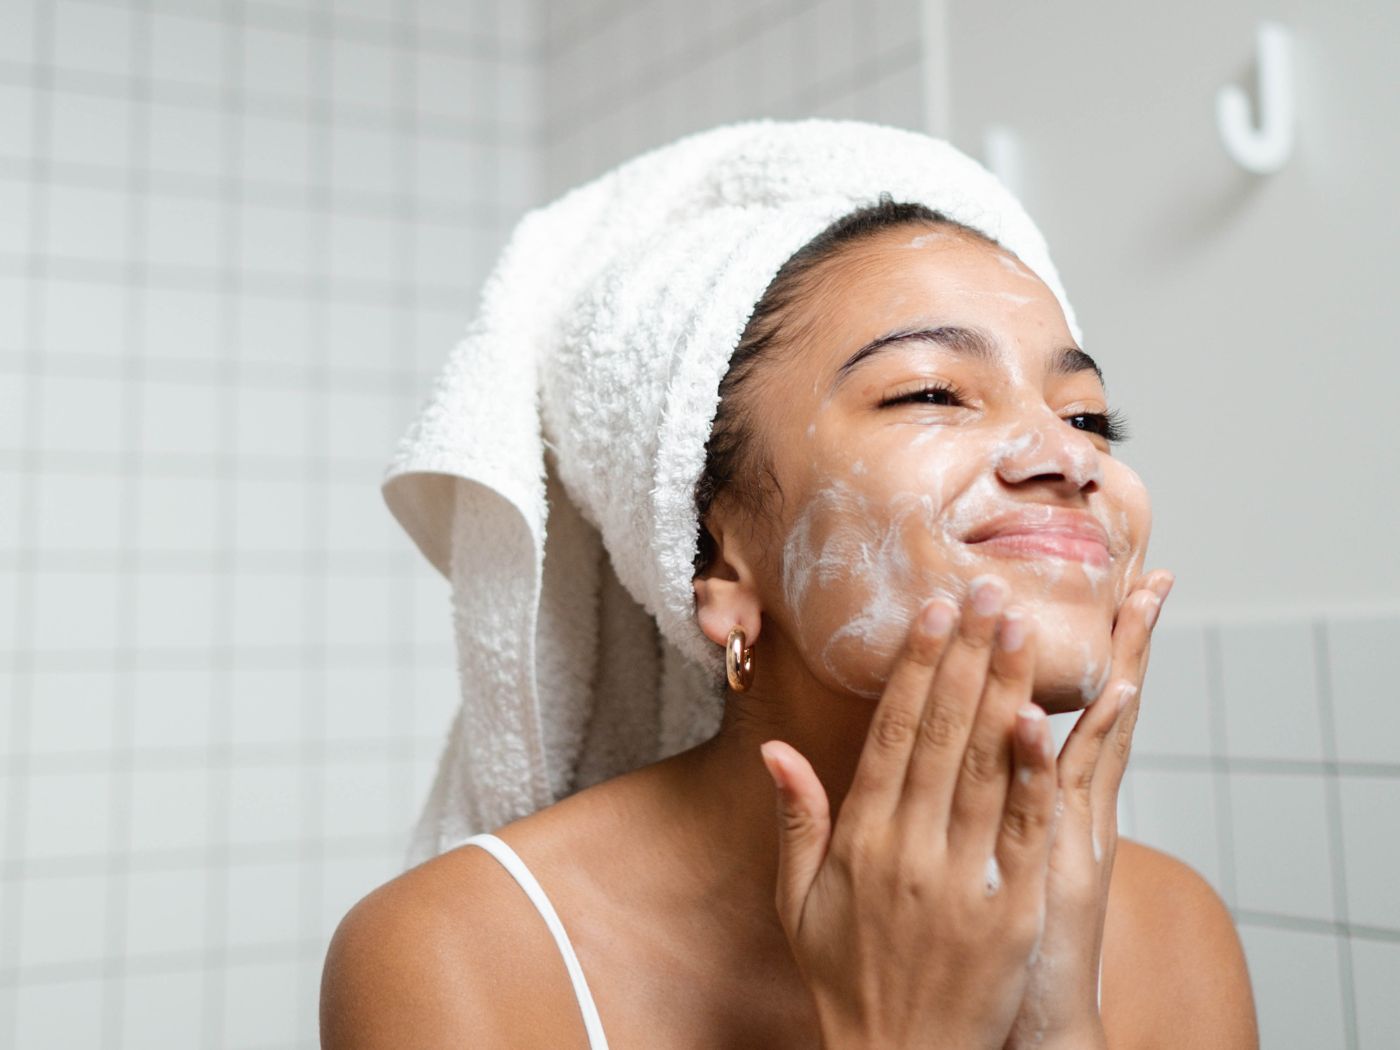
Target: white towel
{"points": [[550, 475]]}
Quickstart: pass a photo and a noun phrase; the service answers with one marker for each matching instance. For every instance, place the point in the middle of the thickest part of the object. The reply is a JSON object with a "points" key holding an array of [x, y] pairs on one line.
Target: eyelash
{"points": [[1111, 425]]}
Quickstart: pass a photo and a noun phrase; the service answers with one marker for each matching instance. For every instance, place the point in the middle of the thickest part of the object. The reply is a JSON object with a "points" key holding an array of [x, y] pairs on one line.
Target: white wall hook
{"points": [[1265, 149]]}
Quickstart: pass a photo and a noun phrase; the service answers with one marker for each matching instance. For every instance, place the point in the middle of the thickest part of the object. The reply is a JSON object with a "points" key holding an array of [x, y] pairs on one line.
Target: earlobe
{"points": [[721, 603]]}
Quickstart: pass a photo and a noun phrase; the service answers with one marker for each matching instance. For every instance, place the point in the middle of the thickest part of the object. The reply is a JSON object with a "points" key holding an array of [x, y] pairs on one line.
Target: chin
{"points": [[1072, 667]]}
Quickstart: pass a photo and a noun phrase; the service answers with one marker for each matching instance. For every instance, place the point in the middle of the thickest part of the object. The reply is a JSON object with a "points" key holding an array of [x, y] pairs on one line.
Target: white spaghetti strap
{"points": [[511, 861]]}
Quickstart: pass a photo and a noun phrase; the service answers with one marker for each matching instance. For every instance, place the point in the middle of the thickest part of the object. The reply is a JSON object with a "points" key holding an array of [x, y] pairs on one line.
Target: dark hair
{"points": [[736, 465]]}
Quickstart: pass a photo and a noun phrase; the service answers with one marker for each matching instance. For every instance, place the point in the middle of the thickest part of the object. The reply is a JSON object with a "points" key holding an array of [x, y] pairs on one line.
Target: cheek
{"points": [[1128, 519], [853, 577]]}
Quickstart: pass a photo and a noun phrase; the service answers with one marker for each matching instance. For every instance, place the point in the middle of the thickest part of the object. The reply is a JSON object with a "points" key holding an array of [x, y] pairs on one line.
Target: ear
{"points": [[726, 593]]}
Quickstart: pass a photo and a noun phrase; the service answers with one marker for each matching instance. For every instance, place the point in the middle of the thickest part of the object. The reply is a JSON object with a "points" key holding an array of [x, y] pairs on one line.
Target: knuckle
{"points": [[941, 727], [894, 728], [982, 762], [1024, 824]]}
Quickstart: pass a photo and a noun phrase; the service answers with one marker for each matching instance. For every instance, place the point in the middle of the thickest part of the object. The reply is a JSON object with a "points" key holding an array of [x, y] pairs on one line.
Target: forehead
{"points": [[919, 275]]}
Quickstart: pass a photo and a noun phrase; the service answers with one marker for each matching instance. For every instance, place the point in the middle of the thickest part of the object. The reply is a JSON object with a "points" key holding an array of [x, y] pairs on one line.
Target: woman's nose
{"points": [[1051, 450]]}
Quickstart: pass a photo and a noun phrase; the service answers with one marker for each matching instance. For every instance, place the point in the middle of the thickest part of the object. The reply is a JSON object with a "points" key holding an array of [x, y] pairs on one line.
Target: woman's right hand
{"points": [[913, 919]]}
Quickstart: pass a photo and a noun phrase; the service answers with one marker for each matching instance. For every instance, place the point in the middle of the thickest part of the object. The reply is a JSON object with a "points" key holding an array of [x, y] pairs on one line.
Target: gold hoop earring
{"points": [[738, 660]]}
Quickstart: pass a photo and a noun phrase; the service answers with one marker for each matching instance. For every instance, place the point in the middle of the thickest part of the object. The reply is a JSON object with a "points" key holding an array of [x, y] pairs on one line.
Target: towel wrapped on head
{"points": [[551, 472]]}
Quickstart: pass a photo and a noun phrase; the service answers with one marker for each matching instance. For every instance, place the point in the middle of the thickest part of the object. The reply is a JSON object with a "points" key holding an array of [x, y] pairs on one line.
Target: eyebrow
{"points": [[975, 343]]}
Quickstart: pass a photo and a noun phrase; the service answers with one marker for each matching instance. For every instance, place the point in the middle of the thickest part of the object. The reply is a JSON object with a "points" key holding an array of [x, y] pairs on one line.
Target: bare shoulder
{"points": [[448, 954], [1174, 967]]}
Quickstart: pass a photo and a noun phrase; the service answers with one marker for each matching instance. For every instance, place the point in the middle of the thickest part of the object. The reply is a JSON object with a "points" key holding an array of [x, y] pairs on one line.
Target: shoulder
{"points": [[1174, 962], [451, 951]]}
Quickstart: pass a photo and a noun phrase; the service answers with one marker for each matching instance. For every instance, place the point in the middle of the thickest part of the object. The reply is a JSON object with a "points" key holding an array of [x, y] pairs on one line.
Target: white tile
{"points": [[361, 705], [261, 1005], [275, 330], [364, 74], [79, 414], [92, 37], [358, 610], [14, 333], [1175, 811], [17, 196], [1270, 685], [84, 317], [75, 610], [357, 799], [166, 911], [275, 241], [81, 512], [183, 231], [88, 224], [277, 149], [181, 418], [67, 814], [444, 251], [268, 610], [266, 804], [182, 323], [365, 160], [276, 62], [432, 607], [185, 139], [1297, 988], [171, 707], [1282, 851], [90, 130], [362, 337], [361, 425], [14, 487], [163, 1009], [1364, 654], [72, 711], [176, 609], [264, 903], [266, 705], [17, 42], [179, 514], [170, 809], [14, 409], [364, 247], [270, 515], [436, 697], [444, 84], [446, 169], [1370, 819], [357, 519], [186, 50], [1175, 715], [272, 423], [1375, 975], [59, 1013], [64, 920]]}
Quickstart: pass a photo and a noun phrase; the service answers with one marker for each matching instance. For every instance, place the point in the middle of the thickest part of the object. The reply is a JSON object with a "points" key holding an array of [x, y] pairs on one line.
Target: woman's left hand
{"points": [[1060, 1007]]}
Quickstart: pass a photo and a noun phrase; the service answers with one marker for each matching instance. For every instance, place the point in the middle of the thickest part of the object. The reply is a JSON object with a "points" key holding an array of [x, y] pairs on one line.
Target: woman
{"points": [[906, 415]]}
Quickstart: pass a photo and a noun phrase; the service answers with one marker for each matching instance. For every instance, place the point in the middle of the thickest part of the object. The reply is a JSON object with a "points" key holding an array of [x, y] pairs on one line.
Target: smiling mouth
{"points": [[1041, 544]]}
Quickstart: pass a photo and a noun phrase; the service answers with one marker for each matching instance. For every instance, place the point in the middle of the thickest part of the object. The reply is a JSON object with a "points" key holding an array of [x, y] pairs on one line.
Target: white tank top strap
{"points": [[511, 861]]}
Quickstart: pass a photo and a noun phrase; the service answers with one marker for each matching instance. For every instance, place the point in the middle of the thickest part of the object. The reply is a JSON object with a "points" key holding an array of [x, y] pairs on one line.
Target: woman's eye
{"points": [[1108, 425], [928, 395]]}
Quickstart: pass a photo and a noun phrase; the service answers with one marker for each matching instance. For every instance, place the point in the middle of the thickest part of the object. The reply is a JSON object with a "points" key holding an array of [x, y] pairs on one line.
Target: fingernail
{"points": [[1153, 608], [937, 619], [1012, 634], [1125, 693], [1028, 721], [1163, 586], [988, 594]]}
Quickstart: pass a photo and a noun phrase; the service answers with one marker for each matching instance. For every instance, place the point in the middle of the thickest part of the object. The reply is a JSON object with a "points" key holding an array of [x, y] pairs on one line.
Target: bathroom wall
{"points": [[237, 237], [1243, 325], [235, 240]]}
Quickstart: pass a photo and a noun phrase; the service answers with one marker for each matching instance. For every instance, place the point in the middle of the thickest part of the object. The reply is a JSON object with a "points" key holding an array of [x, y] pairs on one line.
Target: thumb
{"points": [[804, 828]]}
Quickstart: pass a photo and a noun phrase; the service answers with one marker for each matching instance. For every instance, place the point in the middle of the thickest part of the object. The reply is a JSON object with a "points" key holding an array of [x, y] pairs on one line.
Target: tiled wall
{"points": [[235, 239], [1267, 756]]}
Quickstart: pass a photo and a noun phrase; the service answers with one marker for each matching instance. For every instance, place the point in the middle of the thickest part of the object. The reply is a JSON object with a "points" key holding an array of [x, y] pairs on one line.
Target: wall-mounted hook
{"points": [[1264, 149]]}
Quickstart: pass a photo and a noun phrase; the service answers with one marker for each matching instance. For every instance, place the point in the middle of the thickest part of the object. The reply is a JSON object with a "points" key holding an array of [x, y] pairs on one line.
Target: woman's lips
{"points": [[1038, 543]]}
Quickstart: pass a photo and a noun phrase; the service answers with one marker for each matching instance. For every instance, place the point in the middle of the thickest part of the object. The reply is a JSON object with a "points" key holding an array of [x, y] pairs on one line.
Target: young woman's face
{"points": [[888, 501]]}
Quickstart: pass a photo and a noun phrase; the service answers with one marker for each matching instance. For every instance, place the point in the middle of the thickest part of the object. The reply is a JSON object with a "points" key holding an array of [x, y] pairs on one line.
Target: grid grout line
{"points": [[1335, 845]]}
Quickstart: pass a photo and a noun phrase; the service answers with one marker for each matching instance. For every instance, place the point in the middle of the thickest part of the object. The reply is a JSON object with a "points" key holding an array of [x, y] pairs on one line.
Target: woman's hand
{"points": [[1060, 1008], [913, 919]]}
